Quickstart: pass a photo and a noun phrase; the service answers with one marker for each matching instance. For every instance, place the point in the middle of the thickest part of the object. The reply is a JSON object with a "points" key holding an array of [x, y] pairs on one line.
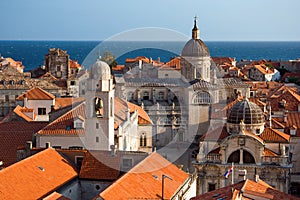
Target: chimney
{"points": [[28, 145], [52, 108], [242, 174], [48, 145], [256, 178], [128, 114]]}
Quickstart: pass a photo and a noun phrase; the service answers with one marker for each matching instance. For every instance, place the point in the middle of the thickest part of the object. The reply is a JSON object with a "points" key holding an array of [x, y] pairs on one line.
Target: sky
{"points": [[218, 20]]}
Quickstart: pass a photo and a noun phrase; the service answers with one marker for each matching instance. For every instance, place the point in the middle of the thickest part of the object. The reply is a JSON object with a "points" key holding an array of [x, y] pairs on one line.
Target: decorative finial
{"points": [[99, 55], [195, 31]]}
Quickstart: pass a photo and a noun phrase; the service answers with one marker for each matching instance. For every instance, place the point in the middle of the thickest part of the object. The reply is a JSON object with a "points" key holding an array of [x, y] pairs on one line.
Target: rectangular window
{"points": [[42, 111], [97, 139], [78, 125], [72, 83], [97, 125]]}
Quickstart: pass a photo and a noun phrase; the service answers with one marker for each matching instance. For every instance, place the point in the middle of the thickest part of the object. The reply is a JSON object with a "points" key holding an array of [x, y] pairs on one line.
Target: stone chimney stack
{"points": [[48, 145]]}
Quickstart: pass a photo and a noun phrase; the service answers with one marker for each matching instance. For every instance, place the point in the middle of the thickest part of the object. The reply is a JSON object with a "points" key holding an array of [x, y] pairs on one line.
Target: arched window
{"points": [[98, 104], [202, 98], [143, 140], [234, 157], [247, 157], [146, 95]]}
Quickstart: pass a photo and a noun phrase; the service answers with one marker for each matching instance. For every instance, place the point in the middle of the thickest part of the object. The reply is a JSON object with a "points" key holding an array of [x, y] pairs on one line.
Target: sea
{"points": [[32, 53]]}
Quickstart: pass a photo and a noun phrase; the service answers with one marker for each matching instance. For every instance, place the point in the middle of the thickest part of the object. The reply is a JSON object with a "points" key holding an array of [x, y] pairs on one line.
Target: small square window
{"points": [[42, 111]]}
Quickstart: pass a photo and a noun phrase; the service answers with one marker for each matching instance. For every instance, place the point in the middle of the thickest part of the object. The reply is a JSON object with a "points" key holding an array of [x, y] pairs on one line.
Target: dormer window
{"points": [[79, 123]]}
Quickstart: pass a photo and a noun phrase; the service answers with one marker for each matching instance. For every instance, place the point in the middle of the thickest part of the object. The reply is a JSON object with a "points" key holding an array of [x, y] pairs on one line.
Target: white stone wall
{"points": [[63, 141]]}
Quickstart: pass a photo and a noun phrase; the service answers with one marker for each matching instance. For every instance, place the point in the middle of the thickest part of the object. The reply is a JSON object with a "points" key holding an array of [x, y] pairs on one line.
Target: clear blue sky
{"points": [[218, 20]]}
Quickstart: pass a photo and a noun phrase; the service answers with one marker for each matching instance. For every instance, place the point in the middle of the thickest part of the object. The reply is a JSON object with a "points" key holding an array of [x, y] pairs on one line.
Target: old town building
{"points": [[245, 144]]}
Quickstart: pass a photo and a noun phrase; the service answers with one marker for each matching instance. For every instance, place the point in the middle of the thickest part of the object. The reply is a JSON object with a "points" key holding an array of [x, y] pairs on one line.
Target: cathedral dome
{"points": [[247, 111], [195, 48], [100, 70]]}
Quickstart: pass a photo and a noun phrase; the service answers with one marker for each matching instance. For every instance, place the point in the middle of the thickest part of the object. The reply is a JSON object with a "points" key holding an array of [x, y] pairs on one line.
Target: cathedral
{"points": [[246, 146], [180, 107]]}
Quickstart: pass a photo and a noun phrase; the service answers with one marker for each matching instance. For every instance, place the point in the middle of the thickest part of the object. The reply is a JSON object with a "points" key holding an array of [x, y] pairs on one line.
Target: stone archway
{"points": [[236, 157]]}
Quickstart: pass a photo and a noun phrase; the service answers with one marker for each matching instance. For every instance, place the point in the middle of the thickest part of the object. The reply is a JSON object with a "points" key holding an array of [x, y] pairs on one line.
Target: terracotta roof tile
{"points": [[143, 116], [100, 165], [74, 64], [26, 113], [55, 196], [291, 98], [121, 106], [132, 60], [37, 94], [12, 137], [246, 190], [65, 123], [36, 176], [276, 124], [214, 135], [149, 172], [64, 102], [226, 192], [273, 135], [172, 64], [268, 152]]}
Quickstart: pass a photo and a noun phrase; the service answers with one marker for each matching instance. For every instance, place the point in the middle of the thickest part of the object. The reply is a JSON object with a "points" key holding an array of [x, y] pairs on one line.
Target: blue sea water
{"points": [[32, 53]]}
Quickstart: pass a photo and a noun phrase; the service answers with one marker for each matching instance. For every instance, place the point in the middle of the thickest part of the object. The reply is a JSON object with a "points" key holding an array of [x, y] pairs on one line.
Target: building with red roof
{"points": [[144, 181], [246, 189], [38, 176], [245, 142]]}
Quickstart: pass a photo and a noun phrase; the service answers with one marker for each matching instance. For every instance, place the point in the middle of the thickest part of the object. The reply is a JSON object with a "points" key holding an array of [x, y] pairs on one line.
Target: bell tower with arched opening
{"points": [[100, 107]]}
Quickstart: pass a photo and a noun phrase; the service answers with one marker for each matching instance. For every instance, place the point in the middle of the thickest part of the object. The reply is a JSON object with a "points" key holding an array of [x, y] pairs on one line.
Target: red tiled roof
{"points": [[273, 135], [148, 172], [118, 68], [21, 112], [290, 96], [100, 165], [276, 124], [143, 116], [173, 64], [64, 102], [48, 76], [290, 75], [14, 135], [64, 124], [246, 190], [36, 176], [55, 196], [74, 64], [221, 192], [253, 135], [121, 107], [263, 69], [37, 94], [214, 135], [222, 60], [268, 152], [132, 60]]}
